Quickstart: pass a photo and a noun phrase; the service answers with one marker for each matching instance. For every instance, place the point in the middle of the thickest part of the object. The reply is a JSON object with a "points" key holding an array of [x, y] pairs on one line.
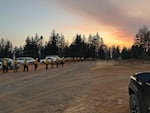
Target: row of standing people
{"points": [[26, 67], [57, 62], [5, 65]]}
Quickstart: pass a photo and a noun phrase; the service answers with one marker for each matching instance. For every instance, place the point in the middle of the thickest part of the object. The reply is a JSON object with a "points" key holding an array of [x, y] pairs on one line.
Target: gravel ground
{"points": [[83, 87]]}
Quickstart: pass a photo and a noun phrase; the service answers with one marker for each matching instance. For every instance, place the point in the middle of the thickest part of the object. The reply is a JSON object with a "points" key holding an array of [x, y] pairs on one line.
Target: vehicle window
{"points": [[20, 58], [145, 77]]}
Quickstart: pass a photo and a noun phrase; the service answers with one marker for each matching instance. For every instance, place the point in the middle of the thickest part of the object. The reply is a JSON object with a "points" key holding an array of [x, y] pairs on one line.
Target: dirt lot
{"points": [[83, 87]]}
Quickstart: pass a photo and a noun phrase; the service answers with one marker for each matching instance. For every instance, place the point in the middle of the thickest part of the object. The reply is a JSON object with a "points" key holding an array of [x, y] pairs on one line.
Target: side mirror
{"points": [[143, 77]]}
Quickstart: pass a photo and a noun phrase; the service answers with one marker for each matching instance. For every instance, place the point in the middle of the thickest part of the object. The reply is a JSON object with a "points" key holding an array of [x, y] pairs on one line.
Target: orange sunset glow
{"points": [[116, 22]]}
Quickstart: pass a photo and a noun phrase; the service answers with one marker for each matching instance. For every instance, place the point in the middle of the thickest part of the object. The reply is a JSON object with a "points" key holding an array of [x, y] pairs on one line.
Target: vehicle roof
{"points": [[24, 57], [6, 58], [52, 56], [139, 73]]}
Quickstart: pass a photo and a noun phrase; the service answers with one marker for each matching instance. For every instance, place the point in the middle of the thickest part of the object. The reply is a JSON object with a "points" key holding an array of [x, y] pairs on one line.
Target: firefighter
{"points": [[36, 64], [25, 65], [5, 64], [15, 65], [62, 61], [46, 62], [57, 62], [52, 63]]}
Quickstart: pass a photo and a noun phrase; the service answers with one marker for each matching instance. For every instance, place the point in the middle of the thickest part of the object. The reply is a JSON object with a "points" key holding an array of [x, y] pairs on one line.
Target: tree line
{"points": [[94, 47]]}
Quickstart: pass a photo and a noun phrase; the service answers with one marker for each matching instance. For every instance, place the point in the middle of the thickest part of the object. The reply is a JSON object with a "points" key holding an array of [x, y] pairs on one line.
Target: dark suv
{"points": [[139, 92]]}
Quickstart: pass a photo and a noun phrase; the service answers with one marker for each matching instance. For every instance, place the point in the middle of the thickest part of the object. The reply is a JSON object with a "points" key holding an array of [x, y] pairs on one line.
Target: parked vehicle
{"points": [[139, 92], [50, 57], [20, 60], [10, 62]]}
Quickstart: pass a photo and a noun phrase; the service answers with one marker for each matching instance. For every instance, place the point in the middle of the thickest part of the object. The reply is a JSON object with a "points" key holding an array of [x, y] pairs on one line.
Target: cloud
{"points": [[125, 16]]}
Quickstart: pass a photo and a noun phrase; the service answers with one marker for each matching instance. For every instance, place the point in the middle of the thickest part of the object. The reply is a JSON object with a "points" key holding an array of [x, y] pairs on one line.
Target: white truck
{"points": [[30, 60], [50, 57]]}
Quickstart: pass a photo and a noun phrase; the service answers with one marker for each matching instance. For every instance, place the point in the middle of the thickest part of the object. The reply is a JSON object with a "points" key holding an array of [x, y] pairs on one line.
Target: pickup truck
{"points": [[139, 92], [21, 60], [50, 57]]}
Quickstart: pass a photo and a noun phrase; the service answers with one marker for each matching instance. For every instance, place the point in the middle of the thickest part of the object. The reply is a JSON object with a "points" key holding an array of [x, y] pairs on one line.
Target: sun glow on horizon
{"points": [[110, 35]]}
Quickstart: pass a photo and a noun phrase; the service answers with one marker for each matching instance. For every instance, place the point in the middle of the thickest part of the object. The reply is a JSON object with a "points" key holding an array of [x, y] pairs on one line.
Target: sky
{"points": [[116, 21]]}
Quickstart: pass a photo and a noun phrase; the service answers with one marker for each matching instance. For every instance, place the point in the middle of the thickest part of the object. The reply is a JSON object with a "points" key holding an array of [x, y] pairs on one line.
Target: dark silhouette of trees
{"points": [[55, 45], [17, 52], [94, 43], [31, 47], [78, 48], [125, 53], [91, 51], [115, 52], [143, 39], [137, 52], [143, 30], [5, 48], [93, 47], [61, 45], [67, 52], [101, 53]]}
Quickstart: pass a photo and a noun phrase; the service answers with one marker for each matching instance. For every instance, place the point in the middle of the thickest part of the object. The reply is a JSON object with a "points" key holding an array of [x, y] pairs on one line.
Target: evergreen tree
{"points": [[31, 47], [52, 48], [66, 51], [125, 53], [101, 53], [79, 48], [94, 43], [115, 52], [6, 48], [137, 52]]}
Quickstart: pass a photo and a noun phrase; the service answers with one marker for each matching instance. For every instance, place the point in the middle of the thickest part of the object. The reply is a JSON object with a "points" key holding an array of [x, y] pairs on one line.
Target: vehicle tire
{"points": [[134, 104]]}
